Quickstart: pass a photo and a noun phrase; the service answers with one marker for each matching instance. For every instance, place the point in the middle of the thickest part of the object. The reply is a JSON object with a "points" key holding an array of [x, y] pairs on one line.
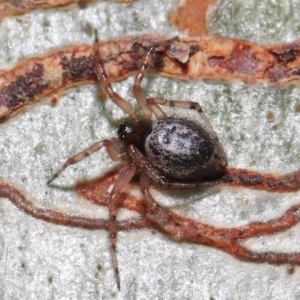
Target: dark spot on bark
{"points": [[243, 178], [137, 56], [83, 3], [215, 60], [3, 101], [296, 72], [158, 60], [241, 60], [25, 88], [276, 72], [287, 56], [274, 183], [252, 179], [290, 269], [16, 3], [183, 66], [194, 48], [224, 236], [136, 47], [241, 233], [78, 69], [256, 179]]}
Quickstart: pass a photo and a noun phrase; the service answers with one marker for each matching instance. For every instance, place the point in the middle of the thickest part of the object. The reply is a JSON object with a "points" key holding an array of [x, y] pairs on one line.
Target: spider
{"points": [[169, 152], [143, 152]]}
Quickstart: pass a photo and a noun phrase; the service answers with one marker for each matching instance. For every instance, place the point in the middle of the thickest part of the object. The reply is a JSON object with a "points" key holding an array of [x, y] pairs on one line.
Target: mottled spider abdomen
{"points": [[183, 149]]}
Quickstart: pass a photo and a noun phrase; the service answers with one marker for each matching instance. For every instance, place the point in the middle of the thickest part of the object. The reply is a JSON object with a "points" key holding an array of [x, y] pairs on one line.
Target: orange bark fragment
{"points": [[191, 16]]}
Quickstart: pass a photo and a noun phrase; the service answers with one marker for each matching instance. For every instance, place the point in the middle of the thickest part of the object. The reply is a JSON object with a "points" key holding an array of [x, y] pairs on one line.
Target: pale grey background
{"points": [[45, 261]]}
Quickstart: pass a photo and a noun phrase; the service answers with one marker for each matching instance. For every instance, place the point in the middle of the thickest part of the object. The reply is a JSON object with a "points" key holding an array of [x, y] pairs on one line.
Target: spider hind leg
{"points": [[180, 104], [122, 180]]}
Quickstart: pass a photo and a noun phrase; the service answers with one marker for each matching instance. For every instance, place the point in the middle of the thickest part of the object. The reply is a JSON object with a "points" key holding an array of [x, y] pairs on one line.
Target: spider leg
{"points": [[137, 91], [158, 112], [164, 218], [183, 229], [180, 104], [123, 179], [95, 191], [102, 77], [110, 148], [158, 178]]}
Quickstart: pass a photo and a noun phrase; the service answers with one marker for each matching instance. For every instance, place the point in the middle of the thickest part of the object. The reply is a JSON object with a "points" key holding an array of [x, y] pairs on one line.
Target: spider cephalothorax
{"points": [[135, 132]]}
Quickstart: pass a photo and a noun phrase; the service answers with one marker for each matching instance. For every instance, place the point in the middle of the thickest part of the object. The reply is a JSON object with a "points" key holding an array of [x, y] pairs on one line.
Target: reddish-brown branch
{"points": [[225, 239], [187, 58], [288, 220], [268, 182], [95, 191], [13, 8], [60, 218], [162, 219]]}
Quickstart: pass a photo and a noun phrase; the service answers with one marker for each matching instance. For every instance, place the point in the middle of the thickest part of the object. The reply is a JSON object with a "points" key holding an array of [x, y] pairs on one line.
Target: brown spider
{"points": [[152, 215], [170, 152]]}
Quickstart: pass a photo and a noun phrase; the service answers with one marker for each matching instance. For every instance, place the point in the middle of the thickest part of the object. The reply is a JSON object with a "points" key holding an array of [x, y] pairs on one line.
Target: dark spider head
{"points": [[135, 133]]}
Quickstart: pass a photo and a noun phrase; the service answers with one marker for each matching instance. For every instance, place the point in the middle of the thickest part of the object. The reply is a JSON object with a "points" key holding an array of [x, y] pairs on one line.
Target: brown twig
{"points": [[188, 58]]}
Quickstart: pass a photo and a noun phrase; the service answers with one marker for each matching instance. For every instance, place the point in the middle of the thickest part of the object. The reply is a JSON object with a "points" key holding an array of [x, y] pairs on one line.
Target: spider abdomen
{"points": [[183, 149]]}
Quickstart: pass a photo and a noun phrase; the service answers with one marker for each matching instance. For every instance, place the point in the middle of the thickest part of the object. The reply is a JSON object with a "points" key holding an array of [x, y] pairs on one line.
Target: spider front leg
{"points": [[137, 90], [123, 178], [102, 77], [111, 149]]}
